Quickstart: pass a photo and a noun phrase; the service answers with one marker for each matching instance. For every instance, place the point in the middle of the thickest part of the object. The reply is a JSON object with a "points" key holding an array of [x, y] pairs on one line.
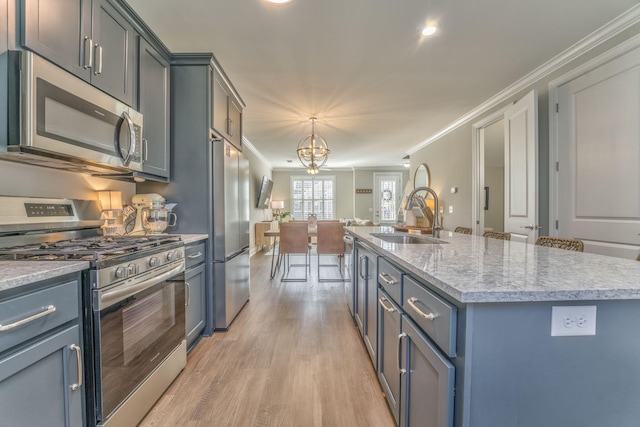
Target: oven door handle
{"points": [[119, 294]]}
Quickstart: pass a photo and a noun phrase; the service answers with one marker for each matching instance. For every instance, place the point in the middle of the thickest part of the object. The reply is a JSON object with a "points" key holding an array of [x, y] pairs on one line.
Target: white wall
{"points": [[449, 156], [258, 168]]}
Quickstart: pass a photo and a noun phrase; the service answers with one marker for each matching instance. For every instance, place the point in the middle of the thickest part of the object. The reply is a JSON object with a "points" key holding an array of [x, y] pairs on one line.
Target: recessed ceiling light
{"points": [[429, 30], [279, 1]]}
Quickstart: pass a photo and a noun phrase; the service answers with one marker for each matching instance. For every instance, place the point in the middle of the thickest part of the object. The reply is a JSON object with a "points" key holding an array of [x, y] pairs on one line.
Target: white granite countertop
{"points": [[193, 238], [19, 273], [473, 269]]}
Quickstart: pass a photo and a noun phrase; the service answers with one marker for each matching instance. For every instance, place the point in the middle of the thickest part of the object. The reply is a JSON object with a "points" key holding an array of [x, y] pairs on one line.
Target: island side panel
{"points": [[519, 375]]}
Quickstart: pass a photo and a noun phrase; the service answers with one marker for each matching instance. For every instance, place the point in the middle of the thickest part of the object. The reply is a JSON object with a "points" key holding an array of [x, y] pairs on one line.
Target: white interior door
{"points": [[521, 169], [387, 194], [598, 145]]}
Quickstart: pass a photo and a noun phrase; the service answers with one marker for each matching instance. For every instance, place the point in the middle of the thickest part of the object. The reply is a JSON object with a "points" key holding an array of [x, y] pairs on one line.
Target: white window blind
{"points": [[313, 195]]}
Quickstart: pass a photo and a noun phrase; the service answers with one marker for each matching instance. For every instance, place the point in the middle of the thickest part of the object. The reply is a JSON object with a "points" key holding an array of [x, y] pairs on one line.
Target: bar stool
{"points": [[463, 230], [561, 243], [497, 235]]}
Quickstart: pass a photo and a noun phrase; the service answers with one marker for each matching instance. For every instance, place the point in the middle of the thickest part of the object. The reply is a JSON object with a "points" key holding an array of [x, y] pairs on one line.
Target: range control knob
{"points": [[121, 272], [172, 256], [154, 261]]}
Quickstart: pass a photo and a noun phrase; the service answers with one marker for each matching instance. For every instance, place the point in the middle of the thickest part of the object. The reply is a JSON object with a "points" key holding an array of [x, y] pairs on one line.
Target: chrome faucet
{"points": [[436, 222]]}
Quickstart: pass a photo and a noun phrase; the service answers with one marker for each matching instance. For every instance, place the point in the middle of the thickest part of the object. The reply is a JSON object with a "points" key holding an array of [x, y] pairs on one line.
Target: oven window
{"points": [[134, 337]]}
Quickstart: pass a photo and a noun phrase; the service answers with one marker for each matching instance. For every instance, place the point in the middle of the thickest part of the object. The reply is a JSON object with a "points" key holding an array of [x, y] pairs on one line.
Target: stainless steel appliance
{"points": [[134, 296], [55, 119], [219, 206]]}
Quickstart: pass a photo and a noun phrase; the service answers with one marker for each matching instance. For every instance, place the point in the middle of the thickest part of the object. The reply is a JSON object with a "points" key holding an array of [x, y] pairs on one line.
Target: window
{"points": [[313, 195]]}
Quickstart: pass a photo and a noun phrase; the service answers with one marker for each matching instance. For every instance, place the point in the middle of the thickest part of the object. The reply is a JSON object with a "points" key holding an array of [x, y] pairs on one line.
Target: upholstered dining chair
{"points": [[497, 235], [463, 230], [294, 240], [561, 243], [330, 235]]}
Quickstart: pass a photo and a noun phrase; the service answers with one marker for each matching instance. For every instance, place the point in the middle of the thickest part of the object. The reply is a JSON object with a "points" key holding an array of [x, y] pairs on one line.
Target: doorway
{"points": [[492, 138], [387, 192]]}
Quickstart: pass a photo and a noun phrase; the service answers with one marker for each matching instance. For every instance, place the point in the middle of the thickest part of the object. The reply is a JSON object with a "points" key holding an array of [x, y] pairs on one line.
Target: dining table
{"points": [[277, 259]]}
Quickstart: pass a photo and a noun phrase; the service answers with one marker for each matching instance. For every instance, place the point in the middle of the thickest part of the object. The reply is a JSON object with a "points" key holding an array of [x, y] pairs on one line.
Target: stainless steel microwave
{"points": [[56, 119]]}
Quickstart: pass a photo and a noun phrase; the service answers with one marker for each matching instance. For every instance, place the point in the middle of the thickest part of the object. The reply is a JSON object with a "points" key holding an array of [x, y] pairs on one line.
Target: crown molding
{"points": [[246, 143], [601, 35]]}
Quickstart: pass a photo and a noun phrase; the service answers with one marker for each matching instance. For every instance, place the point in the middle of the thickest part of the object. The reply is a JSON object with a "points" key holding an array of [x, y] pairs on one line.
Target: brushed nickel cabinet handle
{"points": [[48, 310], [388, 279], [88, 53], [389, 309], [411, 302], [400, 338], [78, 351], [194, 256], [145, 149], [98, 69], [362, 257], [188, 288]]}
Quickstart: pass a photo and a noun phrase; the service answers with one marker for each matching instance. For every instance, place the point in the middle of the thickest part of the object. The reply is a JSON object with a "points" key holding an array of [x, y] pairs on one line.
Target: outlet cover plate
{"points": [[574, 320]]}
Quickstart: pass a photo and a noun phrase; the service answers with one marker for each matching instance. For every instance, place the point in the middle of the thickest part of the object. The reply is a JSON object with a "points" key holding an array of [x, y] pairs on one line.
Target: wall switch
{"points": [[573, 320], [450, 208]]}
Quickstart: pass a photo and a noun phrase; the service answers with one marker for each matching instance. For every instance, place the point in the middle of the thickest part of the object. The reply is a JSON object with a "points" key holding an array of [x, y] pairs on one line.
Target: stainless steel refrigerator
{"points": [[230, 212]]}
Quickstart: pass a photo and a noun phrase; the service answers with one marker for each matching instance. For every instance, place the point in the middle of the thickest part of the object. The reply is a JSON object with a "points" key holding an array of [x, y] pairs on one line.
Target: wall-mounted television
{"points": [[264, 195]]}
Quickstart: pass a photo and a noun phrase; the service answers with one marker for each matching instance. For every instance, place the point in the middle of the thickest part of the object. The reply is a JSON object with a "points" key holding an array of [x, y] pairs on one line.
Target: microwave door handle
{"points": [[132, 139]]}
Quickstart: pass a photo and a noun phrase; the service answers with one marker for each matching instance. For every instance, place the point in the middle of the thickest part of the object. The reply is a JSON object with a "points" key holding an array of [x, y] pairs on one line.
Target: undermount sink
{"points": [[407, 239]]}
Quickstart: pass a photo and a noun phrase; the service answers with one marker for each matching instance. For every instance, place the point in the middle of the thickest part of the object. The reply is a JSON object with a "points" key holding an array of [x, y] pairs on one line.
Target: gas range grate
{"points": [[92, 248]]}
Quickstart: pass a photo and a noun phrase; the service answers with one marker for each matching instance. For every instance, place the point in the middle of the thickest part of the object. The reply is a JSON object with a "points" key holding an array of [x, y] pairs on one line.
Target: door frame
{"points": [[477, 167], [376, 206]]}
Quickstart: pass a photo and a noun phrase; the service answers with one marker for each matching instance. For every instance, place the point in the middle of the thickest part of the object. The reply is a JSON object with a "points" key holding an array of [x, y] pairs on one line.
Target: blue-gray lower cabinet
{"points": [[389, 329], [41, 356], [195, 288], [366, 311], [427, 394]]}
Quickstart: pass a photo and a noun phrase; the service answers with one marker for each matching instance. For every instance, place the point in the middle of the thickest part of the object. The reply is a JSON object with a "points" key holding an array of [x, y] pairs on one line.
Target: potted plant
{"points": [[285, 216]]}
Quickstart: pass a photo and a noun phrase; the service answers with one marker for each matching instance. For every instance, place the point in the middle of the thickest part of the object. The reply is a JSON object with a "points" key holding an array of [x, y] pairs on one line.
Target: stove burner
{"points": [[91, 248]]}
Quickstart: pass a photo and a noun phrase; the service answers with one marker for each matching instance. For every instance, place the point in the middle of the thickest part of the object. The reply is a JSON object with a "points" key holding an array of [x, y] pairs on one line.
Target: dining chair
{"points": [[497, 235], [463, 230], [294, 240], [561, 243], [330, 242]]}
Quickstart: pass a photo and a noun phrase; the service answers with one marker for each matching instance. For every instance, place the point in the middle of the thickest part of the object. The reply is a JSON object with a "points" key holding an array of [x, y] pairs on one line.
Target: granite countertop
{"points": [[19, 273], [473, 269], [192, 238]]}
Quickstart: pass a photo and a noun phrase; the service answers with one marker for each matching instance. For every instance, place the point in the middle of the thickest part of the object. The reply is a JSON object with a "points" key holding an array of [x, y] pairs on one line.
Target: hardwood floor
{"points": [[292, 357]]}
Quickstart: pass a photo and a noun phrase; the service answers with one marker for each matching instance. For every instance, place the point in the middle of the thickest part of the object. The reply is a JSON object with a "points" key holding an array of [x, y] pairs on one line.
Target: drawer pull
{"points": [[389, 309], [398, 355], [188, 289], [388, 279], [77, 349], [50, 309], [194, 256], [430, 316]]}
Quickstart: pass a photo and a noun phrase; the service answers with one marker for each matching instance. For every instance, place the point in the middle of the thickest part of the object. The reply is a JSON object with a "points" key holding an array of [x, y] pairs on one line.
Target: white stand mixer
{"points": [[149, 207]]}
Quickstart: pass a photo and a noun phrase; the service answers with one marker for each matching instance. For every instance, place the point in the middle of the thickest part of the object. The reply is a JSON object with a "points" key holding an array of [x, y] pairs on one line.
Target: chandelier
{"points": [[313, 150]]}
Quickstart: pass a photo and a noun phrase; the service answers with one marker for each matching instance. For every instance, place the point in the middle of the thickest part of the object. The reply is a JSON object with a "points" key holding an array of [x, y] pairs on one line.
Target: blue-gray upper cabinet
{"points": [[226, 109], [91, 39], [41, 353], [153, 103]]}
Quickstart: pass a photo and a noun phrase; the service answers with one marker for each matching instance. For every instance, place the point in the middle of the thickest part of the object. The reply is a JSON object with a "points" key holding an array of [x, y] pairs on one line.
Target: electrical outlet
{"points": [[573, 320], [450, 208]]}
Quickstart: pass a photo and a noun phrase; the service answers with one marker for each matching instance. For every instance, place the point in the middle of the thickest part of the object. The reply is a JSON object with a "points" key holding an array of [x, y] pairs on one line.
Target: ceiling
{"points": [[377, 87]]}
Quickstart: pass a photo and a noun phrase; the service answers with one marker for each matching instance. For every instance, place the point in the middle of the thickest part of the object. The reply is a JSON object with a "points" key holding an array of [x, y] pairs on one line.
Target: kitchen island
{"points": [[503, 364]]}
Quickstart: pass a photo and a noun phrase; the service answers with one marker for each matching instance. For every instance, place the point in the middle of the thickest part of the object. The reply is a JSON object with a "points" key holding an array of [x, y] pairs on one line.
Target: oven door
{"points": [[134, 335]]}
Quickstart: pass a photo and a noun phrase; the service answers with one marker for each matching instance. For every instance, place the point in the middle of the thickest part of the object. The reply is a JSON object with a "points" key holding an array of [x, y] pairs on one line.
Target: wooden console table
{"points": [[261, 239]]}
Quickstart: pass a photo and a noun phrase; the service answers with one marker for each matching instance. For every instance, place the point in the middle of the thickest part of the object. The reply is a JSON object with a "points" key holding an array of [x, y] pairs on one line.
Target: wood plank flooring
{"points": [[292, 357]]}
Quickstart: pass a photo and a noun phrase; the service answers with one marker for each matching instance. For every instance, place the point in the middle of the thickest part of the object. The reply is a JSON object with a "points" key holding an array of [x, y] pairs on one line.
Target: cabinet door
{"points": [[36, 383], [153, 103], [195, 302], [389, 329], [235, 123], [429, 380], [371, 312], [114, 52], [59, 31], [361, 286], [219, 105]]}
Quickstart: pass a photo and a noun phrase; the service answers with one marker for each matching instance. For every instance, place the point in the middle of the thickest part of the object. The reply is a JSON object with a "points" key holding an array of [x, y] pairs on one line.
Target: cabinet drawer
{"points": [[390, 278], [194, 254], [436, 317], [39, 308]]}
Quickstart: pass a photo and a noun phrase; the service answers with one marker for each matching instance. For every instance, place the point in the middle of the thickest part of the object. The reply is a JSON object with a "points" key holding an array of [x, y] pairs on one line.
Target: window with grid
{"points": [[313, 195]]}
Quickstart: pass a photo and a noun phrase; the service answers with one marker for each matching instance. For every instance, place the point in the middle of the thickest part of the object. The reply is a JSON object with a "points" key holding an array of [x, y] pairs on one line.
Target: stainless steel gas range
{"points": [[133, 297]]}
